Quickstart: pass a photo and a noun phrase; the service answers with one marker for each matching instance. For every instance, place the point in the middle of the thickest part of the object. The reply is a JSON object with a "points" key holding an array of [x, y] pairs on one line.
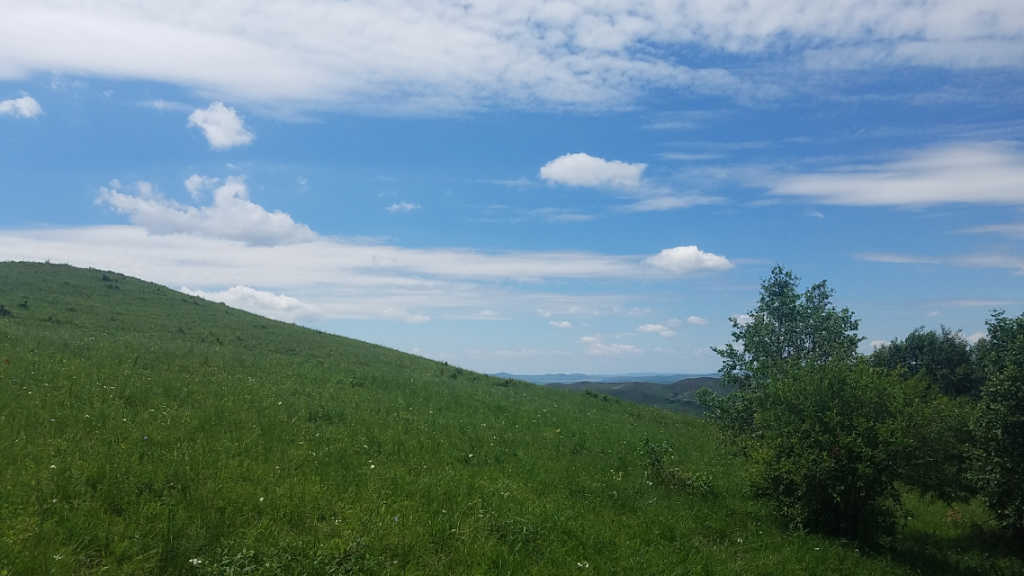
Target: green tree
{"points": [[944, 359], [1000, 422], [787, 329]]}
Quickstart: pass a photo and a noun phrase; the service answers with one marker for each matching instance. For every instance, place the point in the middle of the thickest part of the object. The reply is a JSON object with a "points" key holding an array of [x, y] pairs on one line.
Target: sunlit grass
{"points": [[143, 431]]}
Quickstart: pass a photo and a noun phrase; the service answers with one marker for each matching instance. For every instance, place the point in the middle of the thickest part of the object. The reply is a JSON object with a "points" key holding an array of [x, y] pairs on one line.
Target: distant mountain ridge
{"points": [[566, 378], [679, 396]]}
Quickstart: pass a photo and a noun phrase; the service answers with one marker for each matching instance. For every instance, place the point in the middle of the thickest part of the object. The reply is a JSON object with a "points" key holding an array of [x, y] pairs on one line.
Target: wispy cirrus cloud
{"points": [[979, 260], [400, 207], [965, 173], [442, 55], [1014, 229]]}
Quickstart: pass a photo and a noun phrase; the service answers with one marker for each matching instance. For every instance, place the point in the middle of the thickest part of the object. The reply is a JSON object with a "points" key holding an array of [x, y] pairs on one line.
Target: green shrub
{"points": [[935, 439], [659, 457], [826, 449], [1000, 422]]}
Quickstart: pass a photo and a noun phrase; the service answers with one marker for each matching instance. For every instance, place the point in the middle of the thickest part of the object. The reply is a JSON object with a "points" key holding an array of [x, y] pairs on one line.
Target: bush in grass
{"points": [[659, 457], [826, 448], [935, 439], [1000, 422]]}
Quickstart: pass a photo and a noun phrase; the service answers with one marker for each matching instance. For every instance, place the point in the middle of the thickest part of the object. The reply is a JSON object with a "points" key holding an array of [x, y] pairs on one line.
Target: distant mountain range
{"points": [[651, 377], [679, 396]]}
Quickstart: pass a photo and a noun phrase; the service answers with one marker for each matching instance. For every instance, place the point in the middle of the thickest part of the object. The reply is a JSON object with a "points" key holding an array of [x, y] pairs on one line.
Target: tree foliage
{"points": [[1000, 422], [831, 433], [828, 449], [787, 328], [944, 359]]}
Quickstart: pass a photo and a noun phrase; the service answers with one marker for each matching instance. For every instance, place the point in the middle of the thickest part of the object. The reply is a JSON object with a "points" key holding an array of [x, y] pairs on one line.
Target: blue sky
{"points": [[526, 187]]}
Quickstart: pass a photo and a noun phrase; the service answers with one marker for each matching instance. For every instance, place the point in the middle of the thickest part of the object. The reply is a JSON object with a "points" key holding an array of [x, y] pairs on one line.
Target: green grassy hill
{"points": [[143, 431]]}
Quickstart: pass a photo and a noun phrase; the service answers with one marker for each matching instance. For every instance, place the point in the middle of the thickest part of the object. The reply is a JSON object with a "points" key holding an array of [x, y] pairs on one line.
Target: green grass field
{"points": [[143, 431]]}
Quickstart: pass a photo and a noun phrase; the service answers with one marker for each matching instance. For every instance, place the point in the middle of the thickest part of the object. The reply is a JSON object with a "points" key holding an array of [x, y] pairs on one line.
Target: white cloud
{"points": [[448, 55], [697, 321], [24, 107], [197, 184], [561, 323], [973, 337], [164, 105], [971, 173], [1015, 230], [893, 258], [688, 259], [277, 306], [876, 344], [434, 55], [221, 125], [402, 207], [584, 170], [978, 260], [663, 203], [965, 53], [232, 218], [659, 329], [690, 156], [595, 346], [231, 215]]}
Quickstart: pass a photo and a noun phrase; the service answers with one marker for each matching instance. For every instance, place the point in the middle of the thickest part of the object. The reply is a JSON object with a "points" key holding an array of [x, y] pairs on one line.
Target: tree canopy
{"points": [[787, 328]]}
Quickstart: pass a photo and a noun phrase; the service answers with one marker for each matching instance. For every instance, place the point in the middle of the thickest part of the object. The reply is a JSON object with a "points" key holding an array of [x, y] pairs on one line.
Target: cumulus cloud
{"points": [[969, 173], [402, 207], [581, 169], [197, 184], [596, 346], [973, 337], [276, 306], [697, 321], [231, 215], [221, 125], [561, 323], [659, 329], [24, 107], [687, 260]]}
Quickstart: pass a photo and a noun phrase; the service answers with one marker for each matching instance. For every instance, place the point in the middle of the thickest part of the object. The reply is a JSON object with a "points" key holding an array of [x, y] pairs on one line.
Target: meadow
{"points": [[144, 431]]}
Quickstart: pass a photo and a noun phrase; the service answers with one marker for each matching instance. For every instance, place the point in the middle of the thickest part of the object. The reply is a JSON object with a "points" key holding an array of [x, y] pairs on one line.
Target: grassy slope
{"points": [[141, 428]]}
